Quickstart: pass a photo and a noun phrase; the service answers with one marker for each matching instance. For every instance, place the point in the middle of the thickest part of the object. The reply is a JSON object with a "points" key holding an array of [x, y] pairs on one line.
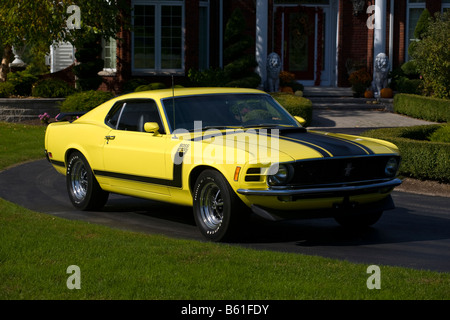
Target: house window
{"points": [[414, 10], [109, 54], [158, 36], [445, 5]]}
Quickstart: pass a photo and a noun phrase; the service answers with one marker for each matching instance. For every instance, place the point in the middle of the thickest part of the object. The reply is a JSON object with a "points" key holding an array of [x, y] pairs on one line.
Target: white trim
{"points": [[262, 14], [407, 35]]}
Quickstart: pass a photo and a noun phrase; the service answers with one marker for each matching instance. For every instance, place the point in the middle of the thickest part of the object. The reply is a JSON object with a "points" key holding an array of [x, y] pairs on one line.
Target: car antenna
{"points": [[173, 107]]}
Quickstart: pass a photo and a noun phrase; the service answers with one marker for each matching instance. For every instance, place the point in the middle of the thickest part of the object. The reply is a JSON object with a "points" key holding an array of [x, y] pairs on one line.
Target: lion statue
{"points": [[273, 72], [380, 77]]}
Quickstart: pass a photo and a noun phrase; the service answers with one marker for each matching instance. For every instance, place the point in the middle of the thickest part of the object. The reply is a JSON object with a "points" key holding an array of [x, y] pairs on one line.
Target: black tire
{"points": [[360, 220], [84, 190], [218, 211]]}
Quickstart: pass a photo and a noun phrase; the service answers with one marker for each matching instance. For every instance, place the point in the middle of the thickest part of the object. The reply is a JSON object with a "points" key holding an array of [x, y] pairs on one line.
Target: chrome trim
{"points": [[317, 191]]}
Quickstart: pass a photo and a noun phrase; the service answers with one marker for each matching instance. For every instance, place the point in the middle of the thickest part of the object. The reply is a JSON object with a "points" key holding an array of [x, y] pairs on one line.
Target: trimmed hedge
{"points": [[421, 107], [295, 105], [421, 158], [85, 101]]}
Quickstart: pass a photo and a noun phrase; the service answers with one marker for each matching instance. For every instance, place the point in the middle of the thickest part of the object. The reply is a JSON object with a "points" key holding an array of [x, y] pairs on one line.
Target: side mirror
{"points": [[300, 120], [151, 127]]}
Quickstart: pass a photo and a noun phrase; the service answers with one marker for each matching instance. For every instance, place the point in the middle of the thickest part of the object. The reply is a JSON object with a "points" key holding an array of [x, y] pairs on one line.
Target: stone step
{"points": [[17, 117], [327, 92]]}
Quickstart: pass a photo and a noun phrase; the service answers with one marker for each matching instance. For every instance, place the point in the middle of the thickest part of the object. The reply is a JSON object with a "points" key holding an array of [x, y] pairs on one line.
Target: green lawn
{"points": [[36, 250]]}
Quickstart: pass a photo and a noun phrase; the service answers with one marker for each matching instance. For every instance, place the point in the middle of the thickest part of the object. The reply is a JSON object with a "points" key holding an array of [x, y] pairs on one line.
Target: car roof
{"points": [[177, 92]]}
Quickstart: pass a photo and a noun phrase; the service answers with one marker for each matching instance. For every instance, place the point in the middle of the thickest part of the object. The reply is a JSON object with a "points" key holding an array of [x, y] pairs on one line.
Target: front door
{"points": [[299, 41]]}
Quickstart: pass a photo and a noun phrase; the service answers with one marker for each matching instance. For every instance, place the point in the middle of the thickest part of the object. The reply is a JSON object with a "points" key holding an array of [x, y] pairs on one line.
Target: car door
{"points": [[135, 160]]}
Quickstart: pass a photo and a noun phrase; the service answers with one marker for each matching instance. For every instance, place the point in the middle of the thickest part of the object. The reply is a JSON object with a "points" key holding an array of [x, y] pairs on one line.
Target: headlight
{"points": [[391, 167], [283, 175]]}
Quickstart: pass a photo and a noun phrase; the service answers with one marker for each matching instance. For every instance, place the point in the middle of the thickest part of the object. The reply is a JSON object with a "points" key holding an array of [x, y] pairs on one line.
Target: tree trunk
{"points": [[4, 67]]}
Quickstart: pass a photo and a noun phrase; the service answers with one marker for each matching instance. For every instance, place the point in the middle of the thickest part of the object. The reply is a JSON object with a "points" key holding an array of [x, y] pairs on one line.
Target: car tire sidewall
{"points": [[223, 231], [95, 197]]}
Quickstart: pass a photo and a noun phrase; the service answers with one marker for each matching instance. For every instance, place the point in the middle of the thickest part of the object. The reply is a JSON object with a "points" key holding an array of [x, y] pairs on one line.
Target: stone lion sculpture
{"points": [[381, 73], [273, 72]]}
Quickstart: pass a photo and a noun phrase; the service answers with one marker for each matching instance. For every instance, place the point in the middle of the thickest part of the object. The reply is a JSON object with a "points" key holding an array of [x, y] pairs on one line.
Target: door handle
{"points": [[109, 138]]}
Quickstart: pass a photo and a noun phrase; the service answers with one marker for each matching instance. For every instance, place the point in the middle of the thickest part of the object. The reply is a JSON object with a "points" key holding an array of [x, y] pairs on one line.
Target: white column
{"points": [[379, 40], [261, 38]]}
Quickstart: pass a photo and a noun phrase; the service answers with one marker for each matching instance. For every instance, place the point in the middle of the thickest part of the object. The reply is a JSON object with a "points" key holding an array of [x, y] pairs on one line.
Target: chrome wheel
{"points": [[219, 214], [84, 191], [211, 205], [79, 180]]}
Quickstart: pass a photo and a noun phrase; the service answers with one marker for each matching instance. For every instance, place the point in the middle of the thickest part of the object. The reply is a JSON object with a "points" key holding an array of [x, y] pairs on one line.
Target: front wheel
{"points": [[84, 190], [218, 212]]}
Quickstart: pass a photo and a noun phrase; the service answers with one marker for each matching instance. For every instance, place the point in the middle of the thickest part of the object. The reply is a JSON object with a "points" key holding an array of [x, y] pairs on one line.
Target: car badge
{"points": [[348, 169]]}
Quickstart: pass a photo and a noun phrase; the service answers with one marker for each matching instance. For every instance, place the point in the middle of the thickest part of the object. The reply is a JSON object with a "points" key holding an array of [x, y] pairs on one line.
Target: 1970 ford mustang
{"points": [[225, 152]]}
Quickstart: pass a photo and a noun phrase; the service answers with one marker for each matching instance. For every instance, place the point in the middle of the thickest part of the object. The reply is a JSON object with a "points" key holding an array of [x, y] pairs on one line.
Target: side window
{"points": [[135, 113], [114, 115]]}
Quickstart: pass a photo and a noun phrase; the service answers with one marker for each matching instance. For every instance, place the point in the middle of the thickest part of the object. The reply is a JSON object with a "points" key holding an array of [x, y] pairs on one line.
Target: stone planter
{"points": [[16, 110]]}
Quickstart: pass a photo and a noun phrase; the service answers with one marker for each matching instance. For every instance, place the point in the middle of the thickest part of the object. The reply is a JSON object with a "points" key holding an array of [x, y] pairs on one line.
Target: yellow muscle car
{"points": [[225, 152]]}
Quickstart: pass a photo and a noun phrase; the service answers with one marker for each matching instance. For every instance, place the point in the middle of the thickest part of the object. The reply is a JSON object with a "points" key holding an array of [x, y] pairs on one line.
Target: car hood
{"points": [[297, 144]]}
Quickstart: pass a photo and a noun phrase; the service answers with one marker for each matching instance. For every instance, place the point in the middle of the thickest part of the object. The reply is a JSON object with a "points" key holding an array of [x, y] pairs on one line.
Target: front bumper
{"points": [[339, 191], [327, 201]]}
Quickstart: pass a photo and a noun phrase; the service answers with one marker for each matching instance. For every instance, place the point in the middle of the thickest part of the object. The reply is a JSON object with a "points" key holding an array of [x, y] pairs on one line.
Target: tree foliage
{"points": [[432, 56], [28, 22]]}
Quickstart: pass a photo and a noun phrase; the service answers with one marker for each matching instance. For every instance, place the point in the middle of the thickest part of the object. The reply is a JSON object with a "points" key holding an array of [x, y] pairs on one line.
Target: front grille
{"points": [[339, 171]]}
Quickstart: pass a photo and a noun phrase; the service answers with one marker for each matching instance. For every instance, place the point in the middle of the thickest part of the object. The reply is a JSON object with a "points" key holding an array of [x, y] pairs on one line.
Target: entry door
{"points": [[299, 45]]}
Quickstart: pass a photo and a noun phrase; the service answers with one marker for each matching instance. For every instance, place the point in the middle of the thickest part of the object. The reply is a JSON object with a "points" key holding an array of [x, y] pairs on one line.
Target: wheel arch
{"points": [[194, 174]]}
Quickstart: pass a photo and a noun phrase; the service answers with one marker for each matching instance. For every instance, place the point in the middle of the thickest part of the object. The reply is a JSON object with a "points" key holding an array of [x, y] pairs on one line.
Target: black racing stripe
{"points": [[366, 149], [335, 146], [176, 182]]}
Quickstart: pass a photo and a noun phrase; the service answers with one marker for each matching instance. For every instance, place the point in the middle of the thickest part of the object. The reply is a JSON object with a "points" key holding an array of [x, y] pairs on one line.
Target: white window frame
{"points": [[158, 70], [112, 52], [445, 7], [410, 6]]}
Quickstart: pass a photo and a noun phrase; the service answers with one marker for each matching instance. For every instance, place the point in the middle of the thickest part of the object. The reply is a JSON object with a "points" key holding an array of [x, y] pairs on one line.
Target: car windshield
{"points": [[222, 111]]}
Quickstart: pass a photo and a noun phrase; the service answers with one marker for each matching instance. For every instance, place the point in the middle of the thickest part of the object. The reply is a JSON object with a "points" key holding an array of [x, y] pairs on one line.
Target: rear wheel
{"points": [[84, 190], [358, 220], [218, 212]]}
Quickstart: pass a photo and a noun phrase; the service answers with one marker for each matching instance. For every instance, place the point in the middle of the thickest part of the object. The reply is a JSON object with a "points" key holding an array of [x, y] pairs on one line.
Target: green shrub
{"points": [[22, 81], [441, 135], [150, 86], [411, 86], [432, 56], [409, 68], [239, 66], [420, 107], [52, 88], [295, 105], [421, 159], [207, 78], [132, 84], [85, 101], [6, 89]]}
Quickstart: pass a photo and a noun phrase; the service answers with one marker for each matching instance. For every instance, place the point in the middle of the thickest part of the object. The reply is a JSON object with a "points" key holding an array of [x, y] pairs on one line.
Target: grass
{"points": [[19, 143], [36, 250]]}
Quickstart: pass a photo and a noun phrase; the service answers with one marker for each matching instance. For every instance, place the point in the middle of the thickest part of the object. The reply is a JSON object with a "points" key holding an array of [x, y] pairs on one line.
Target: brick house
{"points": [[318, 40]]}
